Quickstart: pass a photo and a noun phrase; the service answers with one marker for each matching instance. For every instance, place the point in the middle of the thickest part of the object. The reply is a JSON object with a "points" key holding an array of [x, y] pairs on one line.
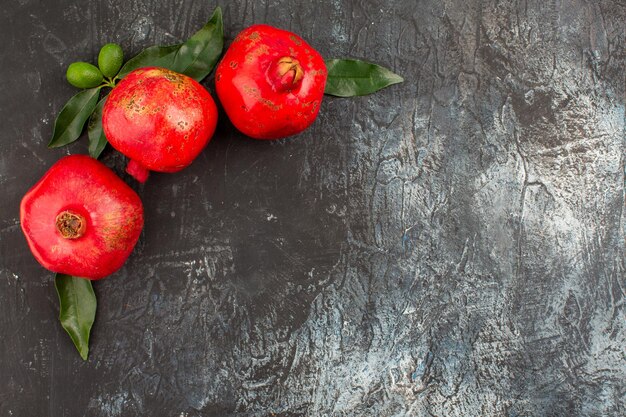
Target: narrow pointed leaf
{"points": [[199, 54], [155, 56], [196, 57], [352, 77], [70, 122], [77, 309], [97, 139]]}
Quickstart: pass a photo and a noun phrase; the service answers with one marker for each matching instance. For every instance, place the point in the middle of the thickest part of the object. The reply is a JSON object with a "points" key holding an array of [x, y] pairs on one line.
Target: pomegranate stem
{"points": [[138, 171]]}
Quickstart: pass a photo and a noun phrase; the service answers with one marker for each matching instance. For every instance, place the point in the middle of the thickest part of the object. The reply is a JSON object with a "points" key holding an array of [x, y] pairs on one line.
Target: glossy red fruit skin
{"points": [[159, 119], [259, 101], [112, 211]]}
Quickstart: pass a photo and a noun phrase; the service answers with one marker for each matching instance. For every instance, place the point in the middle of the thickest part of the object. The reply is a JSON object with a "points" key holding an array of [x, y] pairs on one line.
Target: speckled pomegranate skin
{"points": [[257, 98], [159, 119]]}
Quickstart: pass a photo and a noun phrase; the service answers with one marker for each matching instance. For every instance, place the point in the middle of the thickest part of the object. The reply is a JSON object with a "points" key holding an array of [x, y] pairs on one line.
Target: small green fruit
{"points": [[83, 75], [110, 59]]}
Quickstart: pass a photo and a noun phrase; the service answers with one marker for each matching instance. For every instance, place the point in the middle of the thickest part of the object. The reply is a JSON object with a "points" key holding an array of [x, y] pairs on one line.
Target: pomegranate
{"points": [[160, 119], [81, 219], [270, 82]]}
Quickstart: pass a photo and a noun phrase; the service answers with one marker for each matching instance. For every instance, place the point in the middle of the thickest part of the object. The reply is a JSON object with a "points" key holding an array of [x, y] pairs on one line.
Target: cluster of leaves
{"points": [[195, 58]]}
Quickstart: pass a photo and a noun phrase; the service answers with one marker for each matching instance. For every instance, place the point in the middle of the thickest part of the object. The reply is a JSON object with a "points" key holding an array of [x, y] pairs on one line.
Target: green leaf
{"points": [[155, 56], [78, 309], [352, 77], [195, 58], [97, 140], [199, 54], [70, 122]]}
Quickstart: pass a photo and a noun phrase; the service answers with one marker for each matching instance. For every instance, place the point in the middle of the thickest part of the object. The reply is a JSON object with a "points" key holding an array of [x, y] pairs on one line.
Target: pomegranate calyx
{"points": [[71, 225], [286, 73]]}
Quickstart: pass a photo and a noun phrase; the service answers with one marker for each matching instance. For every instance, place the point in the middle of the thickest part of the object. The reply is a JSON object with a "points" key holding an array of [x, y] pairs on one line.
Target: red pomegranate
{"points": [[270, 82], [160, 119], [81, 219]]}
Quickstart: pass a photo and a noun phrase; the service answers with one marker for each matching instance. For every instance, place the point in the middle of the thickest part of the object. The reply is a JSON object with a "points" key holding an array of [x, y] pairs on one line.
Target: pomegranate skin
{"points": [[270, 82], [160, 119], [81, 219]]}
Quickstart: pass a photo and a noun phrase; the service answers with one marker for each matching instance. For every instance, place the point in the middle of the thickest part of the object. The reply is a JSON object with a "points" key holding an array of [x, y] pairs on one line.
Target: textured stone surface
{"points": [[453, 246]]}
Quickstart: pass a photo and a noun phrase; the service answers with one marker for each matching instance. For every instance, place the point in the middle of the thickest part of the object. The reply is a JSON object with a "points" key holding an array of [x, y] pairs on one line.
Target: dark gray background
{"points": [[452, 246]]}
